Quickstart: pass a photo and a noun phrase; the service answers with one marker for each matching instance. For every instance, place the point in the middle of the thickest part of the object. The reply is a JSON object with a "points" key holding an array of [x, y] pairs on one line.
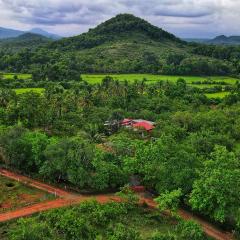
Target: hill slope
{"points": [[123, 44], [12, 33], [219, 40], [117, 28], [9, 33], [45, 33], [232, 40], [26, 40]]}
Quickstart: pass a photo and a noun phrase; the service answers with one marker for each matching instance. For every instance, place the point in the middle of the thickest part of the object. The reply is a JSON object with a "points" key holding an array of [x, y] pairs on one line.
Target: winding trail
{"points": [[68, 198]]}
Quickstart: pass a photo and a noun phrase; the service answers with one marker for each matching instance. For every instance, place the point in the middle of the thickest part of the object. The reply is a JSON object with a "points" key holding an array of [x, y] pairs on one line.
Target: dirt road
{"points": [[209, 229], [68, 198]]}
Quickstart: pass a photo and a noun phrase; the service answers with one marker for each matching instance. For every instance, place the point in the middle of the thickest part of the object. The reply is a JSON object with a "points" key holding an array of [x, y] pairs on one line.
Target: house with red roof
{"points": [[138, 124]]}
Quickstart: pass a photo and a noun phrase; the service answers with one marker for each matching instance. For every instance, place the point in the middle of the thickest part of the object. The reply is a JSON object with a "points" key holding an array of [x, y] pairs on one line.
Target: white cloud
{"points": [[198, 18]]}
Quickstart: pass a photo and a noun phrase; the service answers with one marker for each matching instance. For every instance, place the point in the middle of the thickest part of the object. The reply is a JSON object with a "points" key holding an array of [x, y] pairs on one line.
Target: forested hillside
{"points": [[124, 44], [26, 40], [224, 40]]}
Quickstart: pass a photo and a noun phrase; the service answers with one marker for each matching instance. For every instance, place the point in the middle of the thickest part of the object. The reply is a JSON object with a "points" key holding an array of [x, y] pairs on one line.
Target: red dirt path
{"points": [[68, 198]]}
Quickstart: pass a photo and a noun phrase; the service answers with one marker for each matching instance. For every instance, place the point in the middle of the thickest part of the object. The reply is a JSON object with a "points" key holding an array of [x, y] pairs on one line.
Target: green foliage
{"points": [[190, 230], [24, 90], [27, 40], [28, 229], [92, 220], [160, 236], [160, 162], [24, 149], [71, 134], [129, 196], [169, 201], [217, 189], [121, 232], [86, 221]]}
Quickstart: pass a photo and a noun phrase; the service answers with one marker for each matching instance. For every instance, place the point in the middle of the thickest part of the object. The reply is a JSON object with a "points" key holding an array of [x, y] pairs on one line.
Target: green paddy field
{"points": [[150, 78], [97, 78], [24, 90]]}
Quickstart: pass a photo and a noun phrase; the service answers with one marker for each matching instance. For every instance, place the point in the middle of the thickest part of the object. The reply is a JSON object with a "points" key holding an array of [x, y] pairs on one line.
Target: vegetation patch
{"points": [[217, 95], [25, 90], [152, 78], [91, 220], [16, 76], [14, 195]]}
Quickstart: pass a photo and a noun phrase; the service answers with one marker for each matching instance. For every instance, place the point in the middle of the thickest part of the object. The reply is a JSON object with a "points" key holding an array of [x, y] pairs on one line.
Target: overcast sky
{"points": [[185, 18]]}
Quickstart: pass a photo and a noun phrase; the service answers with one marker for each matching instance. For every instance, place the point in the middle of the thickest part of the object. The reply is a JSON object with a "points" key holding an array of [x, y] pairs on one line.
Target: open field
{"points": [[19, 75], [203, 86], [97, 78], [217, 95], [24, 90], [150, 78], [14, 195]]}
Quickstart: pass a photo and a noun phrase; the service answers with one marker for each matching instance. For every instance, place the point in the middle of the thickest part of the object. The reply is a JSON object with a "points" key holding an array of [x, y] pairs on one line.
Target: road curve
{"points": [[67, 198]]}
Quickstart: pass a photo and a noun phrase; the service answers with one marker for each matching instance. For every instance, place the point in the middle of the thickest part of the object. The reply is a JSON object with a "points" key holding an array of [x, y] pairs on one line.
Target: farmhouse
{"points": [[138, 124], [135, 124]]}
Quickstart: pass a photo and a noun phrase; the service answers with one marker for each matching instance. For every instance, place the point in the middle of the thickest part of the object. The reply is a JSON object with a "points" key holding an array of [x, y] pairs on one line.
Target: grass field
{"points": [[217, 95], [202, 86], [15, 195], [97, 78], [19, 75], [24, 90]]}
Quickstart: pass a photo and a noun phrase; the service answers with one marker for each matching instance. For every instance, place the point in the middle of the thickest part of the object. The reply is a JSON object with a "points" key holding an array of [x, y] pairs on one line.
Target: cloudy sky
{"points": [[185, 18]]}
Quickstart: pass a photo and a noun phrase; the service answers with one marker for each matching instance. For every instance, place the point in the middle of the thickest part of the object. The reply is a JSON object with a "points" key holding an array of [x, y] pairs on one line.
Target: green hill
{"points": [[232, 40], [9, 33], [26, 40], [123, 44], [123, 26]]}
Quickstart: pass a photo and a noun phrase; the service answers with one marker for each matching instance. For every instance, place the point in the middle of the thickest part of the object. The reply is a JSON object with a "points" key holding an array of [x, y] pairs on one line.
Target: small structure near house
{"points": [[112, 126], [140, 125], [126, 122]]}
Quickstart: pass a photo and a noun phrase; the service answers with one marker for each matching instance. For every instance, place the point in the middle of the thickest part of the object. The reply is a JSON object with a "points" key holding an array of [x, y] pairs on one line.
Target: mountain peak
{"points": [[28, 35], [9, 33], [125, 17], [130, 23], [221, 37], [44, 33]]}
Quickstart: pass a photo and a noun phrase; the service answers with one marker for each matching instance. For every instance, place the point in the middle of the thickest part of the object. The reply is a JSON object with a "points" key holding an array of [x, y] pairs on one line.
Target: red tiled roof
{"points": [[126, 121], [144, 125]]}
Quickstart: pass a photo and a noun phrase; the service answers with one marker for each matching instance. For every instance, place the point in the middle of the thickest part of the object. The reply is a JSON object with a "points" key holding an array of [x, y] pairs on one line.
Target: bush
{"points": [[190, 230]]}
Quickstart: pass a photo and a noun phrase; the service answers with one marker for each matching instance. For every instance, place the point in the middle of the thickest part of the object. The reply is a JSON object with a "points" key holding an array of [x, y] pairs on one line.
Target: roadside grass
{"points": [[14, 195], [25, 90], [148, 222], [5, 227]]}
